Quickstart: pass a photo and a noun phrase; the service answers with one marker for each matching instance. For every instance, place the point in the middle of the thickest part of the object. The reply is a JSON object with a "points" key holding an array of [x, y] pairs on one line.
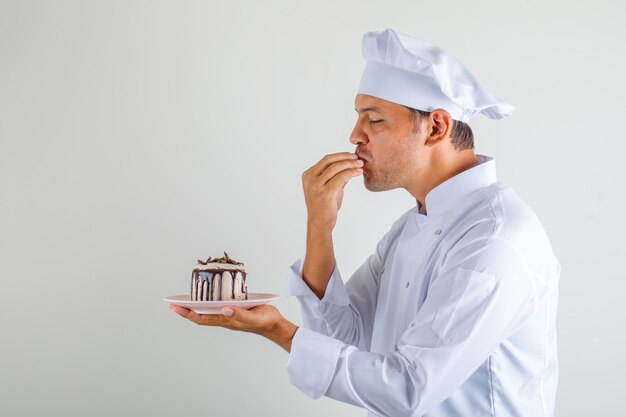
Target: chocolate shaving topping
{"points": [[223, 260]]}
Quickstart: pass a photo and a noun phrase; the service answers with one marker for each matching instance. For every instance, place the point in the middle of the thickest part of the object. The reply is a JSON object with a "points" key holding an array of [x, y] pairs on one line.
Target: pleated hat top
{"points": [[418, 74]]}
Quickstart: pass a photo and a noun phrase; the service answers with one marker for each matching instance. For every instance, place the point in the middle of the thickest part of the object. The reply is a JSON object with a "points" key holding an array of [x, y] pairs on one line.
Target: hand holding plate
{"points": [[264, 320]]}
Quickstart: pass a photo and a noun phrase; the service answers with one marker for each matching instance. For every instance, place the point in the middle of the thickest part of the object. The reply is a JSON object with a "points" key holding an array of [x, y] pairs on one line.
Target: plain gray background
{"points": [[139, 136]]}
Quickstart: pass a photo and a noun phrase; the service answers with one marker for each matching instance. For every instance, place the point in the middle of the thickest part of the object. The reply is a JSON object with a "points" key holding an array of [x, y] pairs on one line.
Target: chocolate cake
{"points": [[218, 279]]}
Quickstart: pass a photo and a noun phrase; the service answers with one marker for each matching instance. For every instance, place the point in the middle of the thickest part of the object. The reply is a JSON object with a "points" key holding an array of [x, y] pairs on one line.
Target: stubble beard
{"points": [[393, 170], [380, 180]]}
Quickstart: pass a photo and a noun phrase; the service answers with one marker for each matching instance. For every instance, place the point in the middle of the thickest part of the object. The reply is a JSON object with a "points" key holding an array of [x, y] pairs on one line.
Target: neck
{"points": [[439, 169]]}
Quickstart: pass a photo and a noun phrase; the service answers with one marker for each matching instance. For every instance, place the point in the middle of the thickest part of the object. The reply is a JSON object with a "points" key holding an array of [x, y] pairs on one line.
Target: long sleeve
{"points": [[346, 312], [475, 302]]}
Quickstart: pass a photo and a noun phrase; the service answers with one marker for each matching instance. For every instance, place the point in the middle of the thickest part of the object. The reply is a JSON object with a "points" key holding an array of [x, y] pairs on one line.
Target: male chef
{"points": [[453, 314]]}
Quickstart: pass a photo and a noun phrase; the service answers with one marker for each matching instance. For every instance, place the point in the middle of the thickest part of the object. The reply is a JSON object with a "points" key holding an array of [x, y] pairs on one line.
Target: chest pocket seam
{"points": [[469, 294]]}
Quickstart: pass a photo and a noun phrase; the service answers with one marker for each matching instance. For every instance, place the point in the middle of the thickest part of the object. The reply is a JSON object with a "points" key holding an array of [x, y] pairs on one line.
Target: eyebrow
{"points": [[366, 109]]}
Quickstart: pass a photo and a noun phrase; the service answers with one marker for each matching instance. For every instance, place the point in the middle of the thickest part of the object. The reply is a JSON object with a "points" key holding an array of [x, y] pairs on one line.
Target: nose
{"points": [[358, 136]]}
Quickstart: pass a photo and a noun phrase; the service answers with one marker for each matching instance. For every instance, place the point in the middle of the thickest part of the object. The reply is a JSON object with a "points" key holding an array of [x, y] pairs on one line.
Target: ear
{"points": [[440, 127]]}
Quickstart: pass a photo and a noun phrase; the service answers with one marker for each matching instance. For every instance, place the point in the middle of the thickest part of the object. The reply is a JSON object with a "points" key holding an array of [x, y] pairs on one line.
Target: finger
{"points": [[340, 180], [241, 315], [331, 159], [179, 310], [338, 167], [202, 319]]}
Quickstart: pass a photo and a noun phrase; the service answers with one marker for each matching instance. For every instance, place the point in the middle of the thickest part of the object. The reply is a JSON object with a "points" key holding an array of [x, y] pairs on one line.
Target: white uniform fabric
{"points": [[452, 315]]}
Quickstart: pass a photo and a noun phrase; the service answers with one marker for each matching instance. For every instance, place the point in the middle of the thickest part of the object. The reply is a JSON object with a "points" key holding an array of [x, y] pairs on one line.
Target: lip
{"points": [[361, 157]]}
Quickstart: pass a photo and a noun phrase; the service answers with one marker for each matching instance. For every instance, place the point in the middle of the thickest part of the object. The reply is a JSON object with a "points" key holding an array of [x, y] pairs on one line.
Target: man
{"points": [[454, 313]]}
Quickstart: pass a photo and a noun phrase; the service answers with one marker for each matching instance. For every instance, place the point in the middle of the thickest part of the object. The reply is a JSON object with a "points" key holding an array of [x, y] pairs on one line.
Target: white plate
{"points": [[215, 307]]}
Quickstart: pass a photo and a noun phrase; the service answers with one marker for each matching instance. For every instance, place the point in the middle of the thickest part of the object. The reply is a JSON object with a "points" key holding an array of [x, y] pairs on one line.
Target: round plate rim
{"points": [[264, 297]]}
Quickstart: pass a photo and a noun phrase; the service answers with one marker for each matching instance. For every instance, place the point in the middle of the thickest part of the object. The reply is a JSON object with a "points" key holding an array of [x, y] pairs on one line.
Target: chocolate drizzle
{"points": [[207, 281], [207, 285]]}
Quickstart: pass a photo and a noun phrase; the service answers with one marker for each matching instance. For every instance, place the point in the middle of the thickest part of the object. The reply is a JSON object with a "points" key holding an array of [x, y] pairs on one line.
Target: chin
{"points": [[373, 185]]}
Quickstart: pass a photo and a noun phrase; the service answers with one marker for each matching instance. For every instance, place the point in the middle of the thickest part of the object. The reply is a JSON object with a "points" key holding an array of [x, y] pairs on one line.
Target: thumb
{"points": [[238, 314]]}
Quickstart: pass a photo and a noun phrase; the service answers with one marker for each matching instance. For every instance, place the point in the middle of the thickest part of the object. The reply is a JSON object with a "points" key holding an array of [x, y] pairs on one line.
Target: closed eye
{"points": [[375, 121]]}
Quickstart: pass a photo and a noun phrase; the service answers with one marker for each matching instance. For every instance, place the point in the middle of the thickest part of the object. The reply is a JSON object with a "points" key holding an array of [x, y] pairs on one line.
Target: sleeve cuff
{"points": [[335, 291], [312, 362]]}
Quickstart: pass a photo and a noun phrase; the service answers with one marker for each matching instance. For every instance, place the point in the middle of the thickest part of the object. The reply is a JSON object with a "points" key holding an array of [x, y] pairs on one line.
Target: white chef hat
{"points": [[415, 73]]}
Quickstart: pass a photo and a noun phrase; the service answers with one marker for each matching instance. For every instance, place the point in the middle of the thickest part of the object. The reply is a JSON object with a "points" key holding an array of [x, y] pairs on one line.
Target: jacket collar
{"points": [[450, 193]]}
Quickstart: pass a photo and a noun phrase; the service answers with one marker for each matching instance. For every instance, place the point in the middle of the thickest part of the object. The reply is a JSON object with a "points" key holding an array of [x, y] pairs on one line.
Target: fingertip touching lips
{"points": [[361, 155]]}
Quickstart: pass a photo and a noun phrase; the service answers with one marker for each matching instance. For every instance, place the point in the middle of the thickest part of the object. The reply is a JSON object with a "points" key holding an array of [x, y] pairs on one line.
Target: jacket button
{"points": [[437, 232], [407, 285], [395, 348]]}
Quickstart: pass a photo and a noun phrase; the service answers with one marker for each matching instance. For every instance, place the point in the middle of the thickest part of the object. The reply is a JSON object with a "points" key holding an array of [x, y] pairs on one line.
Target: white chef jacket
{"points": [[452, 315]]}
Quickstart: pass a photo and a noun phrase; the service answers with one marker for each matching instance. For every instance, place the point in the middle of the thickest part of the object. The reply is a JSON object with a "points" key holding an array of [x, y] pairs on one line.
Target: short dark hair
{"points": [[461, 136]]}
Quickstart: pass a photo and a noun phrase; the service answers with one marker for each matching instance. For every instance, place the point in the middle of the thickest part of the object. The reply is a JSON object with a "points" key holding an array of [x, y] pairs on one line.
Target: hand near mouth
{"points": [[323, 185]]}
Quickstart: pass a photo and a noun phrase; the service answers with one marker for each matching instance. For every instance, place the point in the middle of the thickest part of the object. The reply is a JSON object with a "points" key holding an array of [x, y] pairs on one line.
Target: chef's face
{"points": [[389, 143]]}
